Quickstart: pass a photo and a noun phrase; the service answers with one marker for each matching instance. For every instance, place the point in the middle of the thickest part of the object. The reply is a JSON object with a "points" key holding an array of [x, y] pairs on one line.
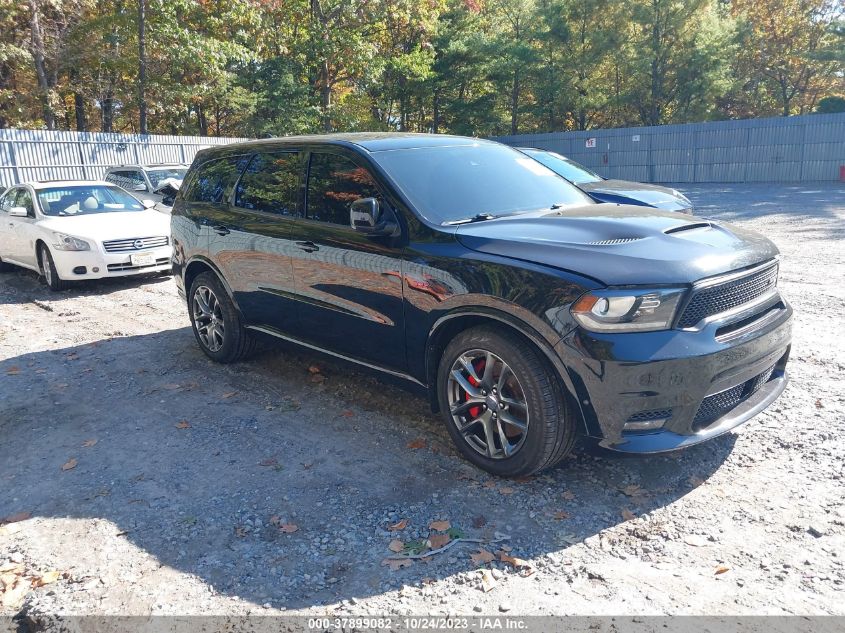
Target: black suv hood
{"points": [[621, 244]]}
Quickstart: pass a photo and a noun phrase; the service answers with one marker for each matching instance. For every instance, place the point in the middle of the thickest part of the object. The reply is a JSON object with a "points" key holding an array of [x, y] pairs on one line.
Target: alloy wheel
{"points": [[45, 266], [208, 318], [487, 404]]}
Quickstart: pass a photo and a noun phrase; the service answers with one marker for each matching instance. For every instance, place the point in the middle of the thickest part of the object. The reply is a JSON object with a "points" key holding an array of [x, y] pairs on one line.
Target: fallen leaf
{"points": [[721, 569], [240, 531], [560, 515], [396, 564], [89, 443], [229, 394], [317, 378], [71, 463], [479, 522], [71, 356], [696, 540], [417, 443], [439, 540], [12, 597], [307, 465], [14, 518], [184, 424], [440, 526], [819, 404], [46, 579], [516, 563], [314, 369], [13, 371], [401, 525], [270, 461], [288, 528], [482, 557], [507, 490], [396, 546], [275, 520], [489, 484], [568, 495], [487, 581], [632, 491], [348, 414], [15, 568], [171, 386], [628, 515], [523, 480]]}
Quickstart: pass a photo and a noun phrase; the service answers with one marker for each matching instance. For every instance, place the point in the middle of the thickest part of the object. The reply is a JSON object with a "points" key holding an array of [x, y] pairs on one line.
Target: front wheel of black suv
{"points": [[216, 322], [503, 404]]}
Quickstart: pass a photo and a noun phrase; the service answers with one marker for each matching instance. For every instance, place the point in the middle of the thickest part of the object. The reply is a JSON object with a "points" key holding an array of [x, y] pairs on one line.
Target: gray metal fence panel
{"points": [[781, 149], [44, 155]]}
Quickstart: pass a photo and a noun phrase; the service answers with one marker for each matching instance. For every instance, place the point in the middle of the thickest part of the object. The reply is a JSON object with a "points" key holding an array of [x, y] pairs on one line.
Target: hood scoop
{"points": [[688, 227], [614, 242]]}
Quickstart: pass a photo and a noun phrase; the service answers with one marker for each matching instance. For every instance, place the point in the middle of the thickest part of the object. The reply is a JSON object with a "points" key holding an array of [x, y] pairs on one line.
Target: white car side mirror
{"points": [[18, 212], [139, 187], [148, 204]]}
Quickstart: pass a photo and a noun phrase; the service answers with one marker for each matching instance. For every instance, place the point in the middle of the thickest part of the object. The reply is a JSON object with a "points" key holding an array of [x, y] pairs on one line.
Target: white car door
{"points": [[22, 235], [6, 225]]}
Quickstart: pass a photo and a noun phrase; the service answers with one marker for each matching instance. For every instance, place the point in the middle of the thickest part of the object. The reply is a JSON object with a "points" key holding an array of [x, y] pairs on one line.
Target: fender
{"points": [[542, 343], [201, 259]]}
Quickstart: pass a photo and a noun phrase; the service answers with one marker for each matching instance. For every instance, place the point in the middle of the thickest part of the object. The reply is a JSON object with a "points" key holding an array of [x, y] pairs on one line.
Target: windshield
{"points": [[460, 182], [569, 169], [85, 200], [156, 176]]}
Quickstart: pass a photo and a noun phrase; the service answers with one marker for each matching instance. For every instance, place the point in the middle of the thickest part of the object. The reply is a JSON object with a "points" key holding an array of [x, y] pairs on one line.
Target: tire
{"points": [[231, 344], [543, 428], [48, 270]]}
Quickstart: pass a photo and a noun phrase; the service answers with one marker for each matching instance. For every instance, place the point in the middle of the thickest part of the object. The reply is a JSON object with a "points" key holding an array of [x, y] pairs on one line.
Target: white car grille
{"points": [[135, 244]]}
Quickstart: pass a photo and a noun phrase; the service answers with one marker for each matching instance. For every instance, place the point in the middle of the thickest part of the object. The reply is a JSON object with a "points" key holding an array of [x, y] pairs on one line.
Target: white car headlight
{"points": [[65, 242], [628, 309]]}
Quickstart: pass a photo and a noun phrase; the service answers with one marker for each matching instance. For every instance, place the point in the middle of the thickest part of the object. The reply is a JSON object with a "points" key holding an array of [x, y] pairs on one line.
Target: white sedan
{"points": [[77, 230]]}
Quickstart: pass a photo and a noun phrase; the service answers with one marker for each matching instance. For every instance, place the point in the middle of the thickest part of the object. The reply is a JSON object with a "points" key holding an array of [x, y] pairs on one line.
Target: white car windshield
{"points": [[86, 200], [156, 176]]}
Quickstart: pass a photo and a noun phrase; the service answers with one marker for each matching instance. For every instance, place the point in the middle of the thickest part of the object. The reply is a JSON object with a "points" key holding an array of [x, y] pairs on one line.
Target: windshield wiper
{"points": [[478, 217]]}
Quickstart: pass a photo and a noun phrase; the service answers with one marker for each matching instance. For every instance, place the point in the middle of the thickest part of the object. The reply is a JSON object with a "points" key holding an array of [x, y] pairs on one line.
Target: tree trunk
{"points": [[41, 67], [142, 67], [515, 103], [79, 109], [325, 97], [435, 108]]}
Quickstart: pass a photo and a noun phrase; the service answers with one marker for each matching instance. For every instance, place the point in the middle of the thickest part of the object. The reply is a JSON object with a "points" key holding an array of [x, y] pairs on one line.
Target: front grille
{"points": [[727, 296], [135, 244], [715, 406], [116, 268], [647, 416]]}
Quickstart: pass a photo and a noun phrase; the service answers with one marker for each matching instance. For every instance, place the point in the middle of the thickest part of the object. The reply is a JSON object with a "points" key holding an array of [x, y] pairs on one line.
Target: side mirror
{"points": [[148, 204], [365, 217], [18, 212], [139, 187]]}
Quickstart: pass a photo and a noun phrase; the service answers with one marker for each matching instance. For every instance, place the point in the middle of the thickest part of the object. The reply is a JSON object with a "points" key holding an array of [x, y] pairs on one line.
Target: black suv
{"points": [[531, 313]]}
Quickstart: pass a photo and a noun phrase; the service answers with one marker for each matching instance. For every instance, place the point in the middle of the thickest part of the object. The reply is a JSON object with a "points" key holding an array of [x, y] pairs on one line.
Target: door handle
{"points": [[221, 230], [308, 247]]}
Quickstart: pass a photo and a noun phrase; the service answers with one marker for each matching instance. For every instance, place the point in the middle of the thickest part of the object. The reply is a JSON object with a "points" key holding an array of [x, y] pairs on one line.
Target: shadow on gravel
{"points": [[18, 286], [197, 463]]}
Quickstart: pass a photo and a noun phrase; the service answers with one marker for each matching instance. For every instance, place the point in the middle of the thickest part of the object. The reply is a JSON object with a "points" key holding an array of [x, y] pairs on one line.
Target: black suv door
{"points": [[349, 285], [251, 239]]}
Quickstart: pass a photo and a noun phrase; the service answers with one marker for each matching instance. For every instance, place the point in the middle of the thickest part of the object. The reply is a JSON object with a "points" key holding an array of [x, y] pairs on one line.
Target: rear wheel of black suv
{"points": [[503, 404], [216, 322]]}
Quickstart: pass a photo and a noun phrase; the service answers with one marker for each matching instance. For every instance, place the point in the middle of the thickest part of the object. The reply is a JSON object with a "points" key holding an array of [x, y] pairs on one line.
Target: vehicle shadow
{"points": [[19, 287], [198, 465]]}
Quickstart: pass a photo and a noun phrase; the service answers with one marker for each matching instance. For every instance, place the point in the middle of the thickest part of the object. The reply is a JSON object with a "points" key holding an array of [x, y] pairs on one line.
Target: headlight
{"points": [[628, 309], [69, 243]]}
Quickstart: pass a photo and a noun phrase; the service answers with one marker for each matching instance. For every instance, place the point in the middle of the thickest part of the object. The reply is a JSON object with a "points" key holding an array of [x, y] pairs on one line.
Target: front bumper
{"points": [[700, 387], [99, 265]]}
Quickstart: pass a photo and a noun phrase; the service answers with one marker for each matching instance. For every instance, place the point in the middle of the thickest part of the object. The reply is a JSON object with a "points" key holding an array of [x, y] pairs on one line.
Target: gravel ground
{"points": [[156, 482]]}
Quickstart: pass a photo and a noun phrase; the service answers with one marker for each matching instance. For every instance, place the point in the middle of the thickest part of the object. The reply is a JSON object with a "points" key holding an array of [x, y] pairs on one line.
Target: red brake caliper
{"points": [[478, 365]]}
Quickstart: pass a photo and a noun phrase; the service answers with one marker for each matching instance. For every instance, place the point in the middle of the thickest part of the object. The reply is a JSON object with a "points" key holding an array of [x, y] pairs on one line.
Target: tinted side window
{"points": [[334, 183], [8, 200], [212, 179], [128, 179], [271, 183]]}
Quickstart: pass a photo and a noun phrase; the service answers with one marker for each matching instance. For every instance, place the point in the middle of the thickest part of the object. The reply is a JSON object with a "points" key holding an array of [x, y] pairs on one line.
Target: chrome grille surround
{"points": [[135, 244]]}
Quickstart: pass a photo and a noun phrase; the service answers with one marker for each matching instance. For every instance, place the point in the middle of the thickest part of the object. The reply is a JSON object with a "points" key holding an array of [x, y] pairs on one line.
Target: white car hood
{"points": [[111, 226]]}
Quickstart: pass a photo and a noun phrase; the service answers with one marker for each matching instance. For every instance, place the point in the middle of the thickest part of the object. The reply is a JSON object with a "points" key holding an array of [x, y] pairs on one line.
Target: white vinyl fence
{"points": [[41, 155]]}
